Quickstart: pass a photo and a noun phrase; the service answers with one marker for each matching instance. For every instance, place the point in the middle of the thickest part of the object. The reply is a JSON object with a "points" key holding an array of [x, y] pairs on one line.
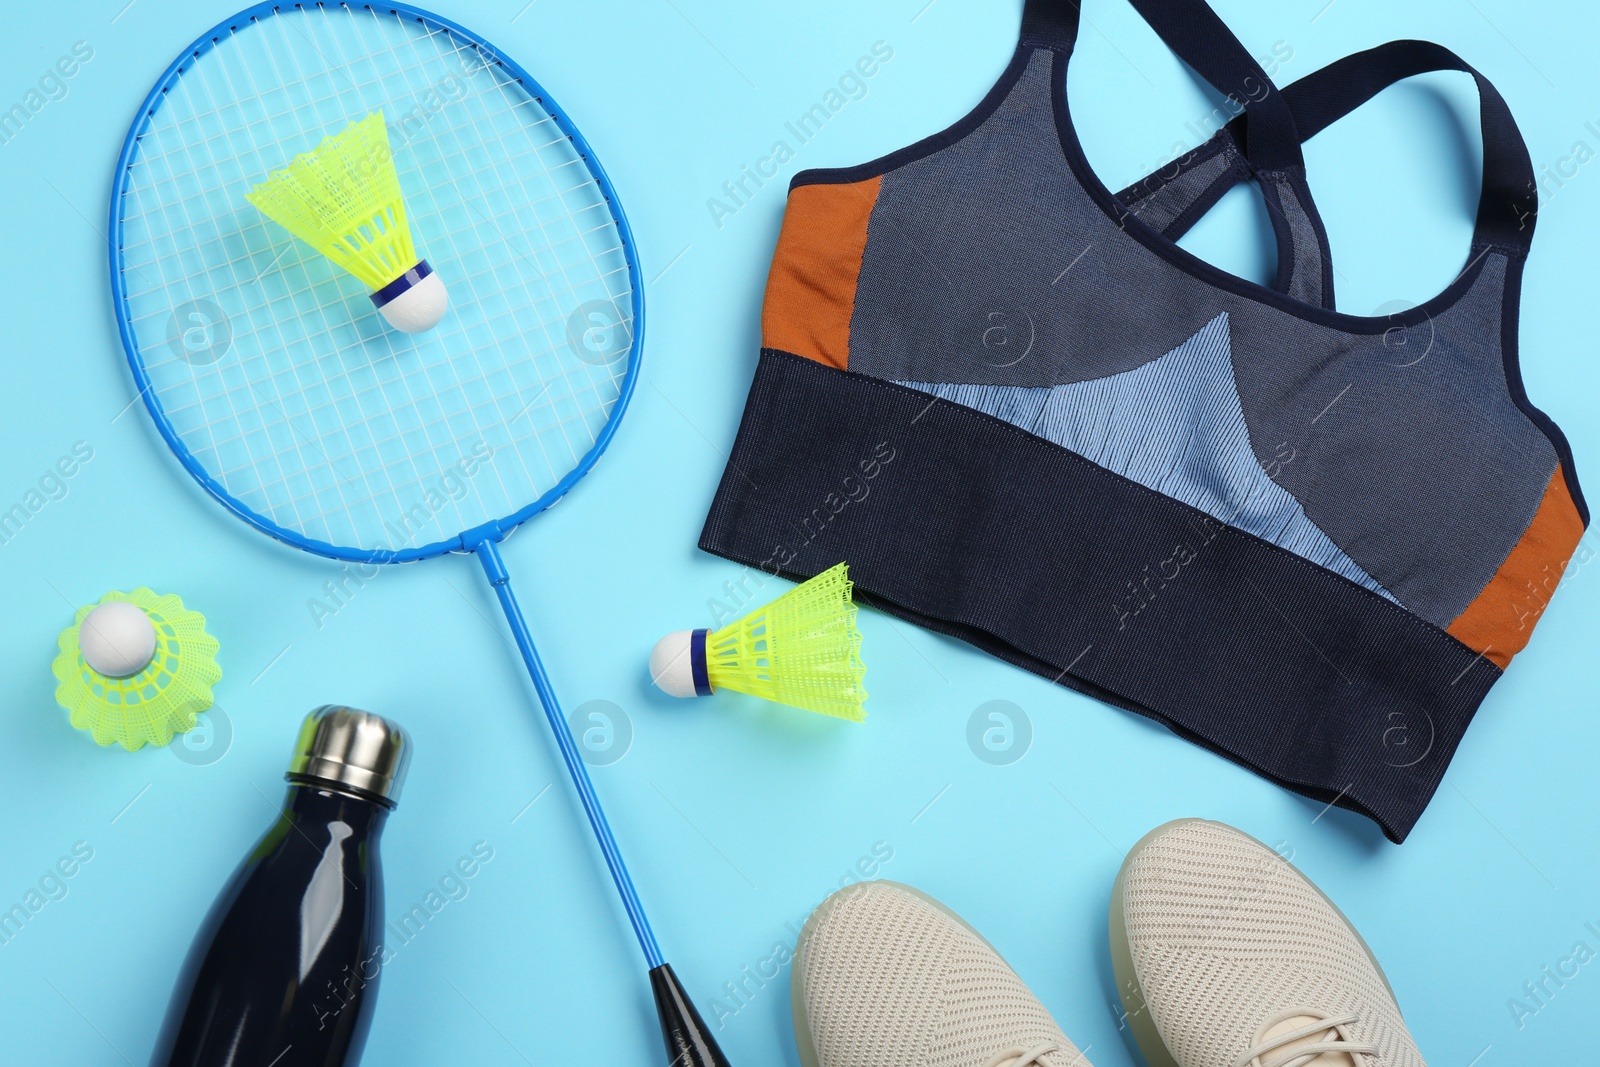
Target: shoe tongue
{"points": [[1295, 1022]]}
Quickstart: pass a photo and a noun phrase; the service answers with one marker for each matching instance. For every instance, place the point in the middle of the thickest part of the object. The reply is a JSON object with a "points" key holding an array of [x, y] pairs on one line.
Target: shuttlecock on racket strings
{"points": [[135, 668], [803, 650], [343, 199]]}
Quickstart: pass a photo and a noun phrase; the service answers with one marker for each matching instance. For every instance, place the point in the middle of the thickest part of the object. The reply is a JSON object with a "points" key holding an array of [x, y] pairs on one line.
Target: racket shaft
{"points": [[689, 1043], [489, 555]]}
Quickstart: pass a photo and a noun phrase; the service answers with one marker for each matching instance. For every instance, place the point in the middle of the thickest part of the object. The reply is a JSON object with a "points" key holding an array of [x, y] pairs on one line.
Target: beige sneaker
{"points": [[885, 976], [1226, 956]]}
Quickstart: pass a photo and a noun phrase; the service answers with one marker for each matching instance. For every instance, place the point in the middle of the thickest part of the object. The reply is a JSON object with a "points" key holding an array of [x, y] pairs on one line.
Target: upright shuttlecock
{"points": [[803, 649], [343, 199], [136, 668]]}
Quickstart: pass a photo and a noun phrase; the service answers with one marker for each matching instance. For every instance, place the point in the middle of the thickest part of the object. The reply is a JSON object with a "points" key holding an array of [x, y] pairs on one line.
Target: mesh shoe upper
{"points": [[1226, 936], [888, 978]]}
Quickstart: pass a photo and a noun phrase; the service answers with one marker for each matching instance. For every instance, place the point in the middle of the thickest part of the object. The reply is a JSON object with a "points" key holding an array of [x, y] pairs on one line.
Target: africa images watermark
{"points": [[740, 991], [199, 332], [452, 887], [50, 487], [1140, 592], [50, 886], [1198, 132], [602, 730], [999, 732], [407, 125], [1554, 176], [450, 484], [1538, 993], [852, 491], [1536, 591], [740, 190], [52, 85], [207, 741], [600, 332]]}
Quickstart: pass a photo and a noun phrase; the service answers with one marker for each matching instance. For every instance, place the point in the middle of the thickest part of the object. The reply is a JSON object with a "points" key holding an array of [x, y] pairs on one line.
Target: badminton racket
{"points": [[276, 385]]}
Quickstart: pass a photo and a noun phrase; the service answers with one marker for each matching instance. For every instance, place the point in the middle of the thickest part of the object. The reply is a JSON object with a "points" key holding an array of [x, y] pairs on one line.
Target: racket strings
{"points": [[263, 487], [263, 483], [274, 424], [604, 224], [569, 159]]}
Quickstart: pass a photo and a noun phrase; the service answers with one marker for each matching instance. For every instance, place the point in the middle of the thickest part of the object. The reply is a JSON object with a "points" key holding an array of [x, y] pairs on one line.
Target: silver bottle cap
{"points": [[352, 748]]}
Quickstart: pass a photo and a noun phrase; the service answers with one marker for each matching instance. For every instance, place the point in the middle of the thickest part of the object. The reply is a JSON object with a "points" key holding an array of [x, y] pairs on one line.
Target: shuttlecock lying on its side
{"points": [[803, 649], [135, 668], [343, 199]]}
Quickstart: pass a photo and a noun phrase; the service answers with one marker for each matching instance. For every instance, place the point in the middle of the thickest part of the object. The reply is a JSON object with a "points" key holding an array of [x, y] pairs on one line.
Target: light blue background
{"points": [[738, 818]]}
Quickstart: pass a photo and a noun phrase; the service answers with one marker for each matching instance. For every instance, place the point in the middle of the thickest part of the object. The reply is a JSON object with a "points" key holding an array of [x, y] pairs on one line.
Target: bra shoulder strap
{"points": [[1173, 197], [1050, 23], [1197, 36], [1508, 202], [1202, 40]]}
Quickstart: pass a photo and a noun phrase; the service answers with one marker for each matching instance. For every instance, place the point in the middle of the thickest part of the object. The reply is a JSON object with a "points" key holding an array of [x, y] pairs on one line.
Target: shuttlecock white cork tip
{"points": [[117, 640], [678, 664], [415, 301]]}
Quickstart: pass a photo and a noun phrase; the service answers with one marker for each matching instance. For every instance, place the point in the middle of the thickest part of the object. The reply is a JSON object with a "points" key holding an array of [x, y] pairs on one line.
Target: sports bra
{"points": [[1030, 420]]}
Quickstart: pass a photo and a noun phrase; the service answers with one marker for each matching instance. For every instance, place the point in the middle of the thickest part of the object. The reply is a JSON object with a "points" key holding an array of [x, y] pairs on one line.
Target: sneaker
{"points": [[1226, 956], [885, 976]]}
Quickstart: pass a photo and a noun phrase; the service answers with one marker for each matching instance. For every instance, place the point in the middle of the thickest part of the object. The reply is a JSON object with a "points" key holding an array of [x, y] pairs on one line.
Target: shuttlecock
{"points": [[135, 668], [803, 649], [343, 199]]}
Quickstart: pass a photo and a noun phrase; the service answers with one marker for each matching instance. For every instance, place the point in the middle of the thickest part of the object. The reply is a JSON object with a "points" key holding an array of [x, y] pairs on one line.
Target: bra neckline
{"points": [[1208, 273]]}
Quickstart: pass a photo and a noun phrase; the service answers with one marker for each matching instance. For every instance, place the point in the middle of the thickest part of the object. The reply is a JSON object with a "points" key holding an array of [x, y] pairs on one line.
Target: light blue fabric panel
{"points": [[1175, 425], [1429, 509]]}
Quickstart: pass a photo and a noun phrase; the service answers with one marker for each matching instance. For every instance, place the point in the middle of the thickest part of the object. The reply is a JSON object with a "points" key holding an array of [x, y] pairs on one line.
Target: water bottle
{"points": [[284, 971]]}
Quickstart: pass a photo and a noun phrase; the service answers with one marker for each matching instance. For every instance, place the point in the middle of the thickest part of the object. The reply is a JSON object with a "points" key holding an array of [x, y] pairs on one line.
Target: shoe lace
{"points": [[1020, 1057], [1333, 1039]]}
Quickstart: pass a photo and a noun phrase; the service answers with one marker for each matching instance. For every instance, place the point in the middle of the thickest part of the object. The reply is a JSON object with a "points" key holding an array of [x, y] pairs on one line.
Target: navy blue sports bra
{"points": [[1223, 505]]}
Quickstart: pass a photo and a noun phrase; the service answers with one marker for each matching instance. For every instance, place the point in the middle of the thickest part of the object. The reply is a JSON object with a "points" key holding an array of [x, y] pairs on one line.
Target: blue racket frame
{"points": [[467, 541], [483, 540]]}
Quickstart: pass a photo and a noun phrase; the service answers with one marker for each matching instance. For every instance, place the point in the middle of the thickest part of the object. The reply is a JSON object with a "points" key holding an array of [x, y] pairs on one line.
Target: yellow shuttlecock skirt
{"points": [[343, 199], [159, 701], [803, 649]]}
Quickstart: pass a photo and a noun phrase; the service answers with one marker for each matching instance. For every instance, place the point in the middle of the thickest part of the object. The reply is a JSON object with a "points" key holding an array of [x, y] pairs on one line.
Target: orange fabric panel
{"points": [[1500, 619], [811, 291]]}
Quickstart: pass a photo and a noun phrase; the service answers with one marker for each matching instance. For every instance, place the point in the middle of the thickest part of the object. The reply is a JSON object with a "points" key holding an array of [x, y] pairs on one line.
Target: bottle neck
{"points": [[323, 803]]}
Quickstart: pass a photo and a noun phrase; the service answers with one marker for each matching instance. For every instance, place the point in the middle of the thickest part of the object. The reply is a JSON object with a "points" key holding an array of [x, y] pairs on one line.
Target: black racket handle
{"points": [[689, 1043]]}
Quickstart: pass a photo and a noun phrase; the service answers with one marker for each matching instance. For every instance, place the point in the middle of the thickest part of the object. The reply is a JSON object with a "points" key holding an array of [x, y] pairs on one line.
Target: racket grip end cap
{"points": [[415, 301], [689, 1043]]}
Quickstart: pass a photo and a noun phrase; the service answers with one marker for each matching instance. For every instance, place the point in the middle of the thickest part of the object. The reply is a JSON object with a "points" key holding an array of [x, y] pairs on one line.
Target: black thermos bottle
{"points": [[284, 971]]}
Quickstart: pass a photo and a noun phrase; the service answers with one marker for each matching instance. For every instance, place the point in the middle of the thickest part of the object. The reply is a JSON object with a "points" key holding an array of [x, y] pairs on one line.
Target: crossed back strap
{"points": [[1509, 201], [1203, 41], [1263, 142]]}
